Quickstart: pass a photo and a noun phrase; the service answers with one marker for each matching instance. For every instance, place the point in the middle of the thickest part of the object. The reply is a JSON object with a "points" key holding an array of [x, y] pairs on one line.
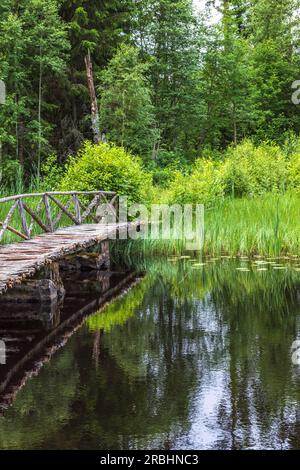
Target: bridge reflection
{"points": [[32, 329]]}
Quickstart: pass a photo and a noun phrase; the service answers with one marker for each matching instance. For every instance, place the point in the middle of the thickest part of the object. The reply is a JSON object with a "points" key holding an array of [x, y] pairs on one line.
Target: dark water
{"points": [[192, 357]]}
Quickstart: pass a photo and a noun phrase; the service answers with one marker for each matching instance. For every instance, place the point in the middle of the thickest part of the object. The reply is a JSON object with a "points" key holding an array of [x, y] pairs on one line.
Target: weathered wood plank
{"points": [[65, 210], [48, 212], [15, 232], [23, 260], [38, 210], [23, 218]]}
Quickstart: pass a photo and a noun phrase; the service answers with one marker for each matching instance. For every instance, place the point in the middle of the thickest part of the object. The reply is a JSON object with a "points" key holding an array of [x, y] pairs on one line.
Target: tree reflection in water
{"points": [[189, 358]]}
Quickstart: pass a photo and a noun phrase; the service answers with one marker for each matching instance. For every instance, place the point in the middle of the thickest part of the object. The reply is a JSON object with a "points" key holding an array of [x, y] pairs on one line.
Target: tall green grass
{"points": [[267, 225]]}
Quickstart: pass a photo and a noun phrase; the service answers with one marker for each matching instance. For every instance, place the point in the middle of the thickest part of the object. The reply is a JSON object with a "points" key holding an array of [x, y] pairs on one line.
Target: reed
{"points": [[267, 225]]}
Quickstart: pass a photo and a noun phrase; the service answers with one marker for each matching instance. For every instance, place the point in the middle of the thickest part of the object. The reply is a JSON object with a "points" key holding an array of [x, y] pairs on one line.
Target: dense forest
{"points": [[164, 79]]}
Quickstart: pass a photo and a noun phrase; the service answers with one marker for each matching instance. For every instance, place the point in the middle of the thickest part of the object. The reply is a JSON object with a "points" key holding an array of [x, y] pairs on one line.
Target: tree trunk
{"points": [[93, 97], [21, 143]]}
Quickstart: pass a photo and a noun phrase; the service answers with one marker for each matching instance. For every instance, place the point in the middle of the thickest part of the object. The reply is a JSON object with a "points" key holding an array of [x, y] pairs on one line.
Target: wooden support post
{"points": [[96, 259]]}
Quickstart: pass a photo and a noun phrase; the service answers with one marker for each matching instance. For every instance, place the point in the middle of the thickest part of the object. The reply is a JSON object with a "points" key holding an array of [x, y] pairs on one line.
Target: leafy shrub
{"points": [[293, 172], [165, 166], [245, 170], [250, 170], [163, 176], [202, 186], [109, 168], [235, 170], [291, 144], [169, 159], [52, 174]]}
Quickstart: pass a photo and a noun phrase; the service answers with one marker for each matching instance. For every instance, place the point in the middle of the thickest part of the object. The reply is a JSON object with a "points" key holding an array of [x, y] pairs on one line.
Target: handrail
{"points": [[42, 215], [55, 193]]}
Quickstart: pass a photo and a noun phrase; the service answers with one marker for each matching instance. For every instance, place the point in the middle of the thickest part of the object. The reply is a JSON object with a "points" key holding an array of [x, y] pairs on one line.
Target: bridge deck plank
{"points": [[21, 260]]}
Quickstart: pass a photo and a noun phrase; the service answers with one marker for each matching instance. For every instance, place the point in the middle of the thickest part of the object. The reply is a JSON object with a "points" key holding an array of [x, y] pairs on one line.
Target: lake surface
{"points": [[192, 357]]}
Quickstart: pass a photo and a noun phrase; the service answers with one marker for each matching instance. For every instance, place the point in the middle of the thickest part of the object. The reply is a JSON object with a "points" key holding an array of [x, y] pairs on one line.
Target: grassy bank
{"points": [[268, 226]]}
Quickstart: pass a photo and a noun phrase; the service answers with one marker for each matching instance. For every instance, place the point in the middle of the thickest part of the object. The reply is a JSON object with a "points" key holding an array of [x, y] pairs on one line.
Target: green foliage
{"points": [[203, 185], [294, 172], [172, 85], [165, 167], [9, 171], [168, 33], [275, 38], [52, 174], [225, 84], [98, 27], [250, 170], [170, 159], [107, 167], [127, 113], [245, 170], [33, 50], [162, 177]]}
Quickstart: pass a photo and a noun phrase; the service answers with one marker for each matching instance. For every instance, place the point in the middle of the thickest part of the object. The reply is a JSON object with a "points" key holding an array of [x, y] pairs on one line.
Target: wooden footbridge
{"points": [[49, 227]]}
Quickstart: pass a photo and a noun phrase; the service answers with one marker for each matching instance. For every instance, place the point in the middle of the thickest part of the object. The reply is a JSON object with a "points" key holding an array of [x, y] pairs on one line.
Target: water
{"points": [[191, 358]]}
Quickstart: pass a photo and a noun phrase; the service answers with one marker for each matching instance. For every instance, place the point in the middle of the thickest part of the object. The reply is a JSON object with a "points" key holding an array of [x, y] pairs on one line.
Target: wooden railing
{"points": [[48, 211]]}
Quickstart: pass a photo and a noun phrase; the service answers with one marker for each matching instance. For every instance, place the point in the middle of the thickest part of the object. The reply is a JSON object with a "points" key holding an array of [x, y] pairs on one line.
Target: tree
{"points": [[47, 46], [127, 114], [168, 34], [276, 41], [33, 48], [226, 81], [96, 29]]}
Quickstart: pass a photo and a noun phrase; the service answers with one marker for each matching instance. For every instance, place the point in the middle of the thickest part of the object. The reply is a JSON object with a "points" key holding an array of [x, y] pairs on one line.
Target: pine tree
{"points": [[46, 47]]}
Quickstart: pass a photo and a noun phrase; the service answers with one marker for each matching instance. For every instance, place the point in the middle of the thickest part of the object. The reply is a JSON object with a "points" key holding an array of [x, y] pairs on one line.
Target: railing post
{"points": [[23, 218], [77, 207], [5, 224], [117, 208]]}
